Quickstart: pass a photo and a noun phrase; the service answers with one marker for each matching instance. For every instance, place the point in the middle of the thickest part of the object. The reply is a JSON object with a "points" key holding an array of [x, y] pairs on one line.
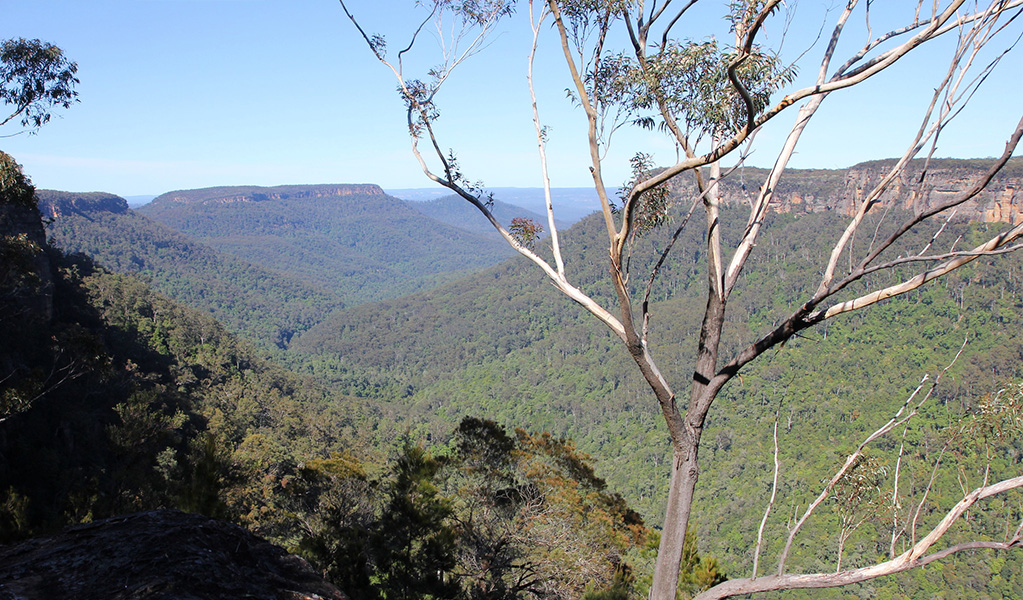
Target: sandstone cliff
{"points": [[843, 190], [55, 204], [224, 195]]}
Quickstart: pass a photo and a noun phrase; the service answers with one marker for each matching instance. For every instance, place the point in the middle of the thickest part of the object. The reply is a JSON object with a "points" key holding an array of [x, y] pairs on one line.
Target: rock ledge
{"points": [[157, 555]]}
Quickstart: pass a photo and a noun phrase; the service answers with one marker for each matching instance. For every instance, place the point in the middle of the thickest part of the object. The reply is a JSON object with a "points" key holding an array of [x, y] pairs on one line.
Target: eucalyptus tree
{"points": [[711, 99], [35, 78]]}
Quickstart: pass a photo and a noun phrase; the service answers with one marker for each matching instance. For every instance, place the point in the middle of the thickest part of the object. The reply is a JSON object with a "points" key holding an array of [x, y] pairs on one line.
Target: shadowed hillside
{"points": [[264, 306]]}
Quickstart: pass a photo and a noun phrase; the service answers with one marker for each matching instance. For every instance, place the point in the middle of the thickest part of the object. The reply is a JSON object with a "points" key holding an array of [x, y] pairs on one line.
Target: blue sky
{"points": [[179, 94]]}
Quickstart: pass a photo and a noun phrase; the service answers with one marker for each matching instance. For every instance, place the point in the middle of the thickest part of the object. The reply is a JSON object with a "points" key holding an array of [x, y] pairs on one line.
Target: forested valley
{"points": [[391, 397]]}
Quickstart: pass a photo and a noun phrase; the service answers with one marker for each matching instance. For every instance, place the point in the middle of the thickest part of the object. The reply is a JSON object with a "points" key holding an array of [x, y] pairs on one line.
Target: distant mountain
{"points": [[352, 240], [136, 201], [571, 204], [453, 210], [265, 307]]}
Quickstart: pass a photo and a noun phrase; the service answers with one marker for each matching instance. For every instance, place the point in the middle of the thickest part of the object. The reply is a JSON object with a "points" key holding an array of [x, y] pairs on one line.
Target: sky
{"points": [[181, 94]]}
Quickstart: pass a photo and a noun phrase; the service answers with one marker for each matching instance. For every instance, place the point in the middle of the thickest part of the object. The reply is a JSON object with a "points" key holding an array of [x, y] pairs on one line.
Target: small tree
{"points": [[533, 519], [35, 78], [711, 100], [413, 541]]}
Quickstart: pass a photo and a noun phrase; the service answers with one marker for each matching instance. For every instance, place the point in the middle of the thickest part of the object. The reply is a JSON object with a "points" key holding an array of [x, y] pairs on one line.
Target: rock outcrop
{"points": [[54, 204], [227, 195], [844, 190], [161, 555]]}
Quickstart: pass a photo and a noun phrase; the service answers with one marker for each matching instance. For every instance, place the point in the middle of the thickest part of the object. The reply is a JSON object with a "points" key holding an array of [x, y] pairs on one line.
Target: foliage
{"points": [[691, 81], [525, 231], [415, 549], [35, 78], [654, 204], [25, 298], [997, 418], [488, 516], [155, 406], [15, 188]]}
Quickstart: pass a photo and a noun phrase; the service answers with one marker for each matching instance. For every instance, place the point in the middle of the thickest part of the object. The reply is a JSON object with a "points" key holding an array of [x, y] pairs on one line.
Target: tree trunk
{"points": [[685, 471]]}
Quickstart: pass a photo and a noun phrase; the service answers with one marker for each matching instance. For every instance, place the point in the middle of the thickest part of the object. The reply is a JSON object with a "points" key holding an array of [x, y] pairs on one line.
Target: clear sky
{"points": [[179, 94]]}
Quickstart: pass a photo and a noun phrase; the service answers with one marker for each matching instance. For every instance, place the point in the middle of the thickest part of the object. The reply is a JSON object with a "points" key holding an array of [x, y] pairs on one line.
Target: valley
{"points": [[454, 329], [281, 317]]}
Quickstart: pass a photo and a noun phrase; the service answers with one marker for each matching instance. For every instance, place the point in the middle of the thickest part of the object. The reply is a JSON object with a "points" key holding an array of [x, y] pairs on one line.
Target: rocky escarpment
{"points": [[157, 555], [54, 204], [801, 190], [226, 195], [844, 190]]}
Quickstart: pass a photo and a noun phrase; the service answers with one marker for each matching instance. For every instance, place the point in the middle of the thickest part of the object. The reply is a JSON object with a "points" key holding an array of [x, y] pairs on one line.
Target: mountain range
{"points": [[351, 239], [571, 204], [264, 305]]}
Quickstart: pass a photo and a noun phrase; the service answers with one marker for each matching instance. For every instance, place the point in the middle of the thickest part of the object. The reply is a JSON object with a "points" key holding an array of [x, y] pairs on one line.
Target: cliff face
{"points": [[55, 204], [844, 190], [801, 191], [26, 279], [226, 195]]}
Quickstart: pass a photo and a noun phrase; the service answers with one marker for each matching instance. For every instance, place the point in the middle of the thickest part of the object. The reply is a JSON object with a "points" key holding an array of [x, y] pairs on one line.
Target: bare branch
{"points": [[906, 561], [674, 20], [541, 139], [963, 197], [927, 492], [770, 503], [591, 117], [904, 414], [895, 493], [988, 248], [660, 262], [959, 64], [671, 243], [849, 462]]}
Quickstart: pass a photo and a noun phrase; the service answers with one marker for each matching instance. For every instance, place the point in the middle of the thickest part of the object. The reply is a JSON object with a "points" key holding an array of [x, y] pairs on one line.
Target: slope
{"points": [[505, 346], [116, 399], [265, 307], [351, 239]]}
